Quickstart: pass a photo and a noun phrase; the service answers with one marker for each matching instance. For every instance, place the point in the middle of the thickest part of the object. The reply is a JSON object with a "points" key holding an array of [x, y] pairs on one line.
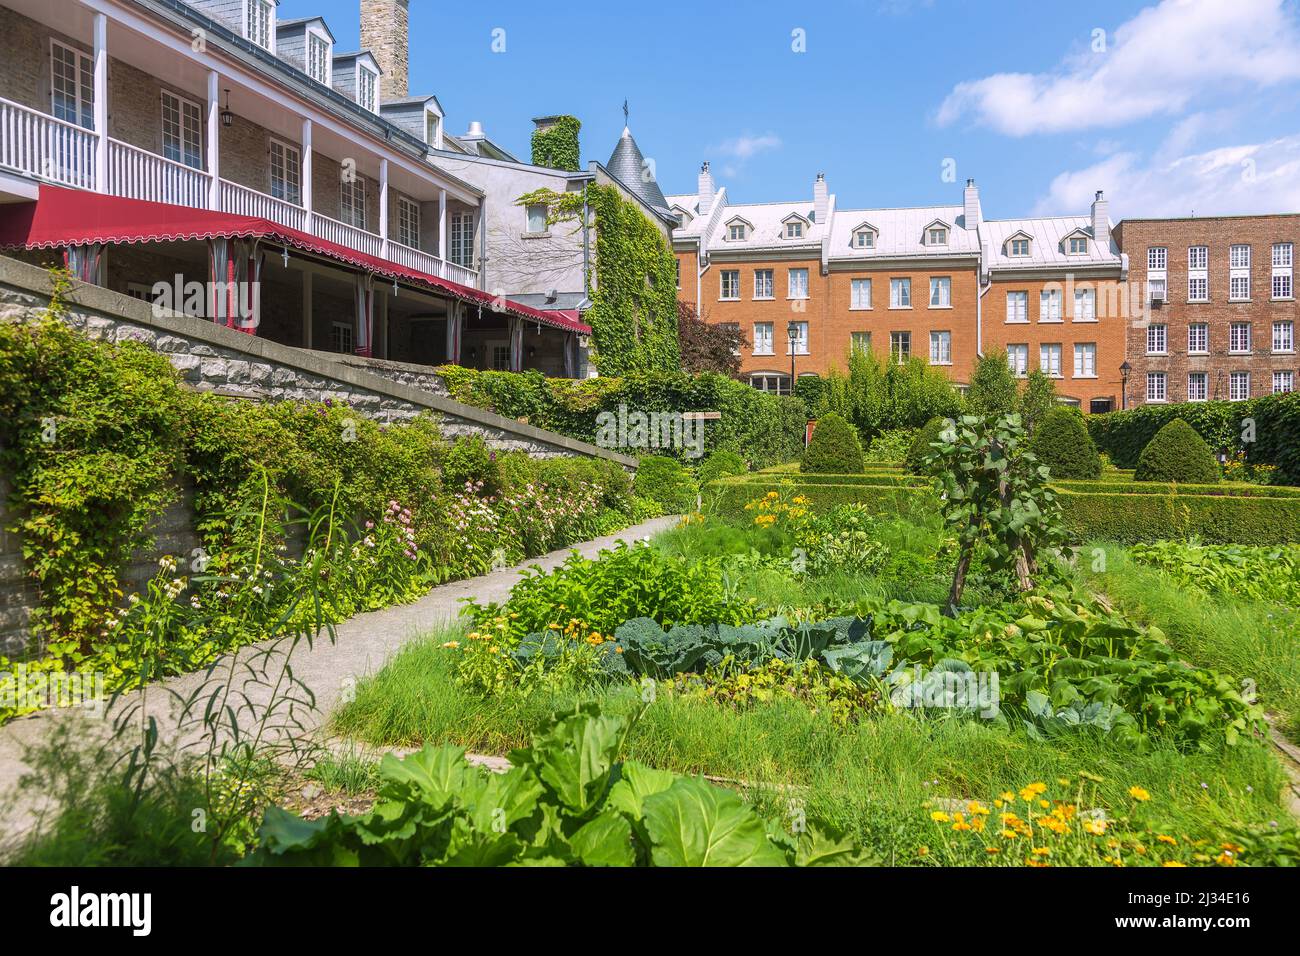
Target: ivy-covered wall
{"points": [[556, 146]]}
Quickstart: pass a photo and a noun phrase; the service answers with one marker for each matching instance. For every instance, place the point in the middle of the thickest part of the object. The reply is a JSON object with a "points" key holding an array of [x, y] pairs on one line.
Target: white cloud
{"points": [[746, 147], [1154, 64], [1245, 179]]}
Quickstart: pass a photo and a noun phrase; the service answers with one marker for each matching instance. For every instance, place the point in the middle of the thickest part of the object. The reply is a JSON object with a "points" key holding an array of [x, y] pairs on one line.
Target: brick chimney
{"points": [[386, 32], [973, 215], [706, 189], [821, 200], [1101, 222]]}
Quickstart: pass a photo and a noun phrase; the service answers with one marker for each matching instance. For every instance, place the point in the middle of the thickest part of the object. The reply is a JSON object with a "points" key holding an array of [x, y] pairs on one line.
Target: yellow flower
{"points": [[922, 850], [1041, 851], [1139, 794], [991, 850], [1038, 787], [452, 644], [1063, 781], [1095, 827], [1009, 834], [1172, 863], [1044, 804], [1225, 859], [1008, 796], [1164, 838], [960, 827], [976, 807], [940, 817]]}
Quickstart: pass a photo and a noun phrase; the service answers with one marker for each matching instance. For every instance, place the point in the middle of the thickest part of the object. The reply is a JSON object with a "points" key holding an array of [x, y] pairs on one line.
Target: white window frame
{"points": [[352, 201], [317, 56], [801, 340], [83, 96], [1157, 259], [1157, 339], [1198, 386], [188, 130], [1157, 387], [291, 184], [864, 239], [1085, 359], [859, 294], [1018, 358], [900, 346], [1050, 356], [1017, 307], [408, 224], [535, 219], [1088, 299], [1076, 246], [936, 236], [1283, 278], [1049, 306], [1238, 386], [342, 334], [1283, 381], [1198, 338], [941, 292], [1235, 347], [900, 293], [760, 338], [367, 87], [794, 229], [260, 29], [767, 289], [1283, 336], [860, 342], [736, 232], [729, 277], [796, 283], [1198, 274], [461, 247], [1239, 272], [1013, 247], [941, 347]]}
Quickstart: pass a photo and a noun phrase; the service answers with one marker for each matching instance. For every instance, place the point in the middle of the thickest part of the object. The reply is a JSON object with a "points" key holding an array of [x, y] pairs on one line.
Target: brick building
{"points": [[1222, 321]]}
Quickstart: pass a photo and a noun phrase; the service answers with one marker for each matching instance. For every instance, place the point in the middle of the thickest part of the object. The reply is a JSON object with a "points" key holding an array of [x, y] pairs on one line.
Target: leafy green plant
{"points": [[1061, 442], [1036, 400], [567, 799], [1238, 571], [993, 390], [891, 445], [1177, 453], [834, 448], [666, 482], [720, 464], [922, 447]]}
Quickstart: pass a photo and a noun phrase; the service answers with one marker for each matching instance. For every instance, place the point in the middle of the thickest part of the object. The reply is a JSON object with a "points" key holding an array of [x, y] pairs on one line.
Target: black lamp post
{"points": [[1124, 369], [227, 117], [792, 330]]}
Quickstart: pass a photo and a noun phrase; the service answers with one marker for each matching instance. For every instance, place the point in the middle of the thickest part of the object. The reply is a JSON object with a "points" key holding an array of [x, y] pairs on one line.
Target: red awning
{"points": [[72, 217]]}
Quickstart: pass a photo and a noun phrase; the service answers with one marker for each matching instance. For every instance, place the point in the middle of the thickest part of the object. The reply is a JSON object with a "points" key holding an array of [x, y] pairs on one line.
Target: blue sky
{"points": [[1178, 106]]}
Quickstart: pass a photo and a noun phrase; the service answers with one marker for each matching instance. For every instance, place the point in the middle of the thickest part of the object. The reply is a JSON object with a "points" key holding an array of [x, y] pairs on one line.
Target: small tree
{"points": [[834, 449], [1037, 398], [1177, 453], [1062, 443], [993, 389], [705, 347], [995, 495]]}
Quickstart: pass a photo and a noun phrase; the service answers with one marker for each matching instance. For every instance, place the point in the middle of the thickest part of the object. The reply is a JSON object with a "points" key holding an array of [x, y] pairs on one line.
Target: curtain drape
{"points": [[365, 302], [84, 261]]}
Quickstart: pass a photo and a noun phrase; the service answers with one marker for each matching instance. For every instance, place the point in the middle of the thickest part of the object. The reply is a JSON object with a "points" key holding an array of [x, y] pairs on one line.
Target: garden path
{"points": [[362, 645]]}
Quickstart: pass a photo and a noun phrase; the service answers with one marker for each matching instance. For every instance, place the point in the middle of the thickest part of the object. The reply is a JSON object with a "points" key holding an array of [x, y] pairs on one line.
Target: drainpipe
{"points": [[482, 244], [586, 243], [979, 319]]}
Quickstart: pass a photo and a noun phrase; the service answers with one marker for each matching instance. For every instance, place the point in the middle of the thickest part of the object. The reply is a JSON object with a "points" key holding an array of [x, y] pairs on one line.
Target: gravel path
{"points": [[363, 645]]}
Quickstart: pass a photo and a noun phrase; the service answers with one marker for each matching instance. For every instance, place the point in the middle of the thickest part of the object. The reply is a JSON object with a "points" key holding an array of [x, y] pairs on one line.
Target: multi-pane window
{"points": [[341, 338], [1198, 338], [352, 202], [1198, 257], [940, 292], [1157, 339], [1284, 336], [797, 284], [318, 58], [1158, 289], [1156, 387], [763, 284], [1283, 260], [794, 229], [260, 15], [1198, 289], [1239, 272], [408, 224], [1049, 359], [1157, 259], [900, 293], [1238, 386], [763, 338], [860, 294], [736, 230], [730, 283], [799, 341], [1239, 337], [1019, 247], [72, 86], [1085, 360], [1085, 305], [938, 236], [462, 239], [864, 239], [182, 131], [1078, 246], [431, 128], [771, 382], [1018, 358], [286, 172], [940, 348], [1049, 305], [860, 342], [1198, 386], [1283, 381], [1198, 278], [367, 88], [1017, 306], [900, 346]]}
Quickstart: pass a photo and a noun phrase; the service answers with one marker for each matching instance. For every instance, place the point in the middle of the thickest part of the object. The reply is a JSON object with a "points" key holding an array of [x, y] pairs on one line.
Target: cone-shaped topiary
{"points": [[1061, 442], [920, 450], [834, 449], [1177, 453]]}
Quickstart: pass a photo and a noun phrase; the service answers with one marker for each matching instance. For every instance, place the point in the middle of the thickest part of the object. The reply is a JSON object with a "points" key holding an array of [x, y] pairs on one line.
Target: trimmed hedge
{"points": [[1061, 443], [1177, 453], [666, 482], [920, 450], [834, 448], [1123, 435]]}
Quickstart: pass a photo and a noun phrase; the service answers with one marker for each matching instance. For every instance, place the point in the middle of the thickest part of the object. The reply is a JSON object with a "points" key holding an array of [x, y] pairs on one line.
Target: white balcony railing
{"points": [[46, 148], [342, 234], [138, 174], [426, 262], [243, 201]]}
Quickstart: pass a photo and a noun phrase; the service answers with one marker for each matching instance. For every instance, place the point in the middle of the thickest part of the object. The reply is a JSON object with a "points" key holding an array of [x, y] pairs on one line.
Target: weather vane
{"points": [[625, 112]]}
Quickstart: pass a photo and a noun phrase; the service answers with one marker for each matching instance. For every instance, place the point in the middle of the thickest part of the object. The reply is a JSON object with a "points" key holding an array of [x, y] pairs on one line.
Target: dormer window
{"points": [[432, 128], [794, 229], [936, 236], [318, 58], [736, 231], [1018, 246], [1077, 244], [259, 22], [367, 89], [864, 239]]}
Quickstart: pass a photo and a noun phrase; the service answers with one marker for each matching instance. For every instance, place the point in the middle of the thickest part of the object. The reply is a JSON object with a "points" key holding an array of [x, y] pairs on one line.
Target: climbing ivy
{"points": [[556, 147], [633, 316]]}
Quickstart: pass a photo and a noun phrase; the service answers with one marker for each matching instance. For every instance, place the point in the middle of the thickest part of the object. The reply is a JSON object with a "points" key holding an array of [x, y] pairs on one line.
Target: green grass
{"points": [[347, 772], [871, 778], [1254, 639]]}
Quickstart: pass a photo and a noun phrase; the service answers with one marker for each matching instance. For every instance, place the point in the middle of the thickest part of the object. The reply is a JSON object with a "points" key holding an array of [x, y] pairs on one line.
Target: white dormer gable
{"points": [[685, 214], [1019, 245], [936, 233], [737, 228], [863, 236], [795, 226], [433, 120], [259, 22], [1077, 243]]}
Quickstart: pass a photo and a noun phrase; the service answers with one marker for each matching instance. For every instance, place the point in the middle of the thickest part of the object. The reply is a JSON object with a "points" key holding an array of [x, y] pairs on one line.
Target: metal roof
{"points": [[628, 166]]}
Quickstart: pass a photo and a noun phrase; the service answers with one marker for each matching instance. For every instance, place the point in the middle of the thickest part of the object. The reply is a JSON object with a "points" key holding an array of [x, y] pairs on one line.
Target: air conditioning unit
{"points": [[1157, 301]]}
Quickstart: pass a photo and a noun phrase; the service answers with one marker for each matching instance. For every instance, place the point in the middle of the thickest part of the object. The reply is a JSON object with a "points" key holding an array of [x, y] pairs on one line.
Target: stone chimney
{"points": [[821, 200], [706, 189], [386, 32], [973, 214], [1101, 222]]}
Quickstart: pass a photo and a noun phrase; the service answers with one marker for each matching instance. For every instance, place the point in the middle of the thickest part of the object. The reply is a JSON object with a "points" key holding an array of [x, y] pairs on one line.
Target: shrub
{"points": [[1036, 399], [993, 389], [721, 464], [920, 450], [834, 448], [1063, 445], [667, 483], [1177, 453], [469, 461], [891, 445], [875, 396]]}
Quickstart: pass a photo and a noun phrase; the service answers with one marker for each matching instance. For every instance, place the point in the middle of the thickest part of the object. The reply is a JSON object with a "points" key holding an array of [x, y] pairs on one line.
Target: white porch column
{"points": [[306, 172], [442, 224], [383, 204], [306, 308], [214, 139], [101, 103]]}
